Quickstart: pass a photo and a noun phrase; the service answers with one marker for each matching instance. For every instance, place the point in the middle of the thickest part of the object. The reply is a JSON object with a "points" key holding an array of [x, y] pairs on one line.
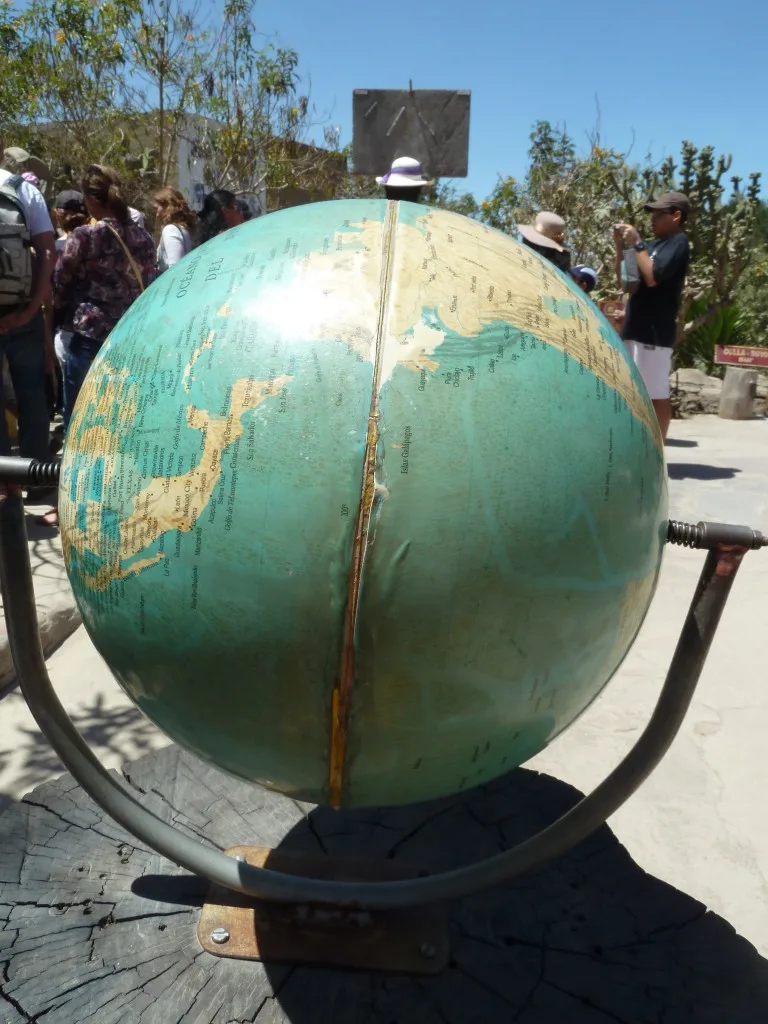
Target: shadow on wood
{"points": [[98, 928]]}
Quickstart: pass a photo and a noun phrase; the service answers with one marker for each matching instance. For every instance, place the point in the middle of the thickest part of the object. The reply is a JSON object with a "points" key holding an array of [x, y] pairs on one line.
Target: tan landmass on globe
{"points": [[468, 274], [164, 504], [207, 342]]}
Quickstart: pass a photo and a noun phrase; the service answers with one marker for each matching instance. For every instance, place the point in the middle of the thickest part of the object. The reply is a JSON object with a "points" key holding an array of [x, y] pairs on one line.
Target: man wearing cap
{"points": [[22, 333], [650, 324], [404, 180], [547, 236]]}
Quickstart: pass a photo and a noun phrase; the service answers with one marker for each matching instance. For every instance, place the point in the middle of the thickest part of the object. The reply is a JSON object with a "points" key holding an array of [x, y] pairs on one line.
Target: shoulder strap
{"points": [[131, 260]]}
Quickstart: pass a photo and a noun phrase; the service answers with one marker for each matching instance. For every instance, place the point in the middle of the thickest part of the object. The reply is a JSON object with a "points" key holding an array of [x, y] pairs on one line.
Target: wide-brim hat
{"points": [[24, 161], [548, 230], [405, 172]]}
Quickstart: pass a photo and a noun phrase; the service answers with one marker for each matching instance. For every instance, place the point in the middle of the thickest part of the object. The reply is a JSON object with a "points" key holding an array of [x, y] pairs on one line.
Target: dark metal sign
{"points": [[430, 125]]}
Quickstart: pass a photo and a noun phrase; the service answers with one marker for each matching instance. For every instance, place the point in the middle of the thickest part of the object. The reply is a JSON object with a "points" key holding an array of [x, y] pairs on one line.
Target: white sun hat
{"points": [[405, 172]]}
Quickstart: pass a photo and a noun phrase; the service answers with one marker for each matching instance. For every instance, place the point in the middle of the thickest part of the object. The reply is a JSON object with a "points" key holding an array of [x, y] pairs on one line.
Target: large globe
{"points": [[364, 502]]}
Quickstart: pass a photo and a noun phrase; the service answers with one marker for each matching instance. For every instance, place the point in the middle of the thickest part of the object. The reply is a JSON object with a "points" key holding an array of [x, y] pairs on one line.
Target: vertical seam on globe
{"points": [[341, 698]]}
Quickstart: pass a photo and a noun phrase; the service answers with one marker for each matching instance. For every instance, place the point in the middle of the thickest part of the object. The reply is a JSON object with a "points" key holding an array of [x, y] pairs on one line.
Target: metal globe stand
{"points": [[336, 901]]}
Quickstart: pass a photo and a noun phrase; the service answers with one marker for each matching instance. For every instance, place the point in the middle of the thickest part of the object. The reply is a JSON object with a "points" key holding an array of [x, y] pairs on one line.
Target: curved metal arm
{"points": [[588, 815]]}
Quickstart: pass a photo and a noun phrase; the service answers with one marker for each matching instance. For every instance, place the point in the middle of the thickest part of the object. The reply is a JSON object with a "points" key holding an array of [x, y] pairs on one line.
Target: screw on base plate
{"points": [[427, 950], [220, 936]]}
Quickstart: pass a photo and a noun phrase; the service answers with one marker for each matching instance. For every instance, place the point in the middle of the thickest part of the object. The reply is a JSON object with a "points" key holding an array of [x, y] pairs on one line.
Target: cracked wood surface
{"points": [[97, 929]]}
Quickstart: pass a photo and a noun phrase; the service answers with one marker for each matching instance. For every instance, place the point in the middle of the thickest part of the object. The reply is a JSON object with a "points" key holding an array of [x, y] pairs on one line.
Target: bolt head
{"points": [[427, 950], [220, 936]]}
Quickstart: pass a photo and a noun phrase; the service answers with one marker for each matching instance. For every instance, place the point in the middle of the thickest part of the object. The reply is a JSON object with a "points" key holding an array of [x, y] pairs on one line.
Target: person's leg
{"points": [[82, 352], [25, 351], [61, 342], [654, 365], [663, 408], [5, 441]]}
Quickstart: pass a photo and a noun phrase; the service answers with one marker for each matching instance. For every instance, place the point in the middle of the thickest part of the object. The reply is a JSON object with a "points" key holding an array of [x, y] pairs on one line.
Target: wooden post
{"points": [[738, 395]]}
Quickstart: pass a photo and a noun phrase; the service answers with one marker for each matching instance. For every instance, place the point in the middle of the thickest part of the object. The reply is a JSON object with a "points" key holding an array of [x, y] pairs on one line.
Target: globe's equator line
{"points": [[341, 699]]}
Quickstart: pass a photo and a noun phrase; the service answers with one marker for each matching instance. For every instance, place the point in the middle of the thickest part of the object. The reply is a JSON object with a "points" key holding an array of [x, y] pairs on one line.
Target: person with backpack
{"points": [[25, 228]]}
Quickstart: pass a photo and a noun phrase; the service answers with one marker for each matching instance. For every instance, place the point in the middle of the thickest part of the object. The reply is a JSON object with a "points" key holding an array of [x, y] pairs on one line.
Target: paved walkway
{"points": [[698, 823], [56, 610]]}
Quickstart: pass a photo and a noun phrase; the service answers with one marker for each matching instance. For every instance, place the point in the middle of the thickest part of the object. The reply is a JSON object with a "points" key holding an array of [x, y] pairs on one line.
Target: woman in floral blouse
{"points": [[102, 269]]}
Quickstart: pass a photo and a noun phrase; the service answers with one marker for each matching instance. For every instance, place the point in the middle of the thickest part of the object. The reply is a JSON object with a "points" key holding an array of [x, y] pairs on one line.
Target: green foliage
{"points": [[594, 190], [446, 196], [126, 81], [728, 325]]}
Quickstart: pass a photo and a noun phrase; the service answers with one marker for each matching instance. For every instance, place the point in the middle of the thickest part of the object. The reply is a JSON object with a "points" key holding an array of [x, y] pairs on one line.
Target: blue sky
{"points": [[699, 73]]}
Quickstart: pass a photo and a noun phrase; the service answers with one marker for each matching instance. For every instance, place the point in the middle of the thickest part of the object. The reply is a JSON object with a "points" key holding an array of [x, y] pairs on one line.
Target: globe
{"points": [[364, 502]]}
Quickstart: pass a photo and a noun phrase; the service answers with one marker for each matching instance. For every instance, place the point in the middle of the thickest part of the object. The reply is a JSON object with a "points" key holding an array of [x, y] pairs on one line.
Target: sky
{"points": [[659, 77]]}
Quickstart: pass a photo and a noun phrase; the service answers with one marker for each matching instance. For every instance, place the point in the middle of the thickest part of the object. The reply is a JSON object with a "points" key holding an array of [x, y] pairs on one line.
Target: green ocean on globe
{"points": [[364, 502]]}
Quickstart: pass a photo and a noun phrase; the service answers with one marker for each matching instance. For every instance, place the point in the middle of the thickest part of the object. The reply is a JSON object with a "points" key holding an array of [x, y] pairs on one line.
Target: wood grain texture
{"points": [[94, 928]]}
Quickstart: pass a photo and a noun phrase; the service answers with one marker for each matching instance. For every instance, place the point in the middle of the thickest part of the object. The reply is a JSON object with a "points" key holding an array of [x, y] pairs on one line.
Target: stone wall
{"points": [[693, 392]]}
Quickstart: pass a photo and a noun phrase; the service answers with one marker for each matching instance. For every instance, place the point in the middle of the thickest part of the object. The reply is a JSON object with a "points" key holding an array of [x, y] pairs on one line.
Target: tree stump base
{"points": [[99, 930]]}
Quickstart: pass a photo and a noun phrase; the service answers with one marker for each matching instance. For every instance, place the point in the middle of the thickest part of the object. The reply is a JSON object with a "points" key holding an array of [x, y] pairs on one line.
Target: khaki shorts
{"points": [[654, 364]]}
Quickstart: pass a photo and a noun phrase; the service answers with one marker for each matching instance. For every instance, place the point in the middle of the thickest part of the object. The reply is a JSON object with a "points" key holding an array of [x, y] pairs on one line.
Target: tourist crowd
{"points": [[69, 273]]}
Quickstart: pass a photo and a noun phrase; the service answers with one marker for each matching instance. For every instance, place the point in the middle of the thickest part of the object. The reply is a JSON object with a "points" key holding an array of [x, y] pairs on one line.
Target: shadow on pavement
{"points": [[592, 938], [698, 471], [680, 442], [122, 732], [37, 530]]}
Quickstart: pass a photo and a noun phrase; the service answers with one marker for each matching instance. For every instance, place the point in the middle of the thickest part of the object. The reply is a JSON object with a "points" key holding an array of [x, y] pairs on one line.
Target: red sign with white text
{"points": [[741, 355]]}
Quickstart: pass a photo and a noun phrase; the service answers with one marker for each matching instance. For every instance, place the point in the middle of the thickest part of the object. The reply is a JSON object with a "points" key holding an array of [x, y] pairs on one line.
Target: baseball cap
{"points": [[671, 200], [584, 273], [548, 230], [71, 200]]}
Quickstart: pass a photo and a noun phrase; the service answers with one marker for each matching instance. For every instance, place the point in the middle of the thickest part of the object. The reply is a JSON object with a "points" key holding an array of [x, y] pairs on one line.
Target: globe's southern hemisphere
{"points": [[363, 501]]}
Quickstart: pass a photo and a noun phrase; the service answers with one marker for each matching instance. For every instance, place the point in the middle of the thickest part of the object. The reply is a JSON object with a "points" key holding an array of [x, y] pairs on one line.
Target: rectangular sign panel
{"points": [[430, 125], [741, 355]]}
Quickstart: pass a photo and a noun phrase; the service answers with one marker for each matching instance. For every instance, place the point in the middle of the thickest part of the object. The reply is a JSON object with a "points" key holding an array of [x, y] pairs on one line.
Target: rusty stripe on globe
{"points": [[341, 698]]}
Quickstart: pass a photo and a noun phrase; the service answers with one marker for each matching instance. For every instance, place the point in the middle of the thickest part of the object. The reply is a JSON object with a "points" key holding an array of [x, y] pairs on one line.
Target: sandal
{"points": [[50, 518]]}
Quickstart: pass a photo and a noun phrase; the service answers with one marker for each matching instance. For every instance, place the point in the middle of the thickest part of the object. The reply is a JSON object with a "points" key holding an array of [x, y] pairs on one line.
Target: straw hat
{"points": [[548, 230]]}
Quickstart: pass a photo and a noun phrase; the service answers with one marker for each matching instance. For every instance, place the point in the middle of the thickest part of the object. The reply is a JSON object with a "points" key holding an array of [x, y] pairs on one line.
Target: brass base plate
{"points": [[411, 941]]}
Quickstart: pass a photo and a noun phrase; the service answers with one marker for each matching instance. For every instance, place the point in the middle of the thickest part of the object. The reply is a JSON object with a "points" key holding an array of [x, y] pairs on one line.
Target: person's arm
{"points": [[69, 271], [173, 243], [618, 239], [631, 237]]}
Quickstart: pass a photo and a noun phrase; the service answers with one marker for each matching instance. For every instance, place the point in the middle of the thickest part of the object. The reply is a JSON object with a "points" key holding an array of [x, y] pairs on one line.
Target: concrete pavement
{"points": [[57, 612], [697, 822]]}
